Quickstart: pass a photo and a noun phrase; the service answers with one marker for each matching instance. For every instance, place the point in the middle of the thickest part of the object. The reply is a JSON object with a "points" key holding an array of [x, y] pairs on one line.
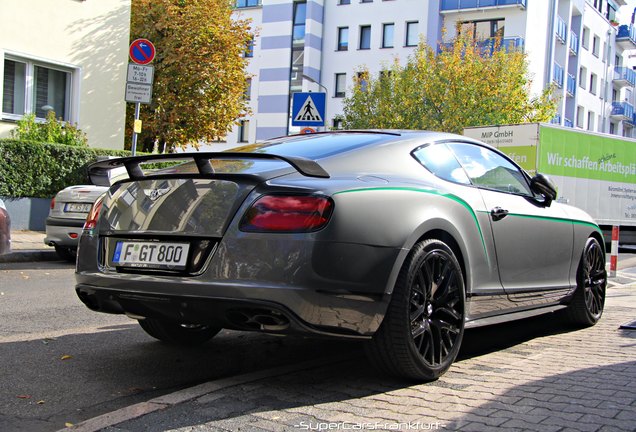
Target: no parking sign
{"points": [[142, 51]]}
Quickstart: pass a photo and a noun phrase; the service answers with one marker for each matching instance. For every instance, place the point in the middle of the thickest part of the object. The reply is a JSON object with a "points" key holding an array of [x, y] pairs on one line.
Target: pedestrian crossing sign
{"points": [[308, 109]]}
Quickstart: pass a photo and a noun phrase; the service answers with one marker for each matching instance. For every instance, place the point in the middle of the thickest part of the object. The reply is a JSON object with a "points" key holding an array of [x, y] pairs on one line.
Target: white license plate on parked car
{"points": [[160, 255], [77, 207]]}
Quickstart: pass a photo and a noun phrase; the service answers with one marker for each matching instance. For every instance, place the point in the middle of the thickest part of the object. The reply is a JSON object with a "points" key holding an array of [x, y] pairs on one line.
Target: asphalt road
{"points": [[61, 363]]}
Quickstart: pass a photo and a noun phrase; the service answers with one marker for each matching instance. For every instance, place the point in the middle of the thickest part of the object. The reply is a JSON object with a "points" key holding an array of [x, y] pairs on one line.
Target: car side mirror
{"points": [[542, 185]]}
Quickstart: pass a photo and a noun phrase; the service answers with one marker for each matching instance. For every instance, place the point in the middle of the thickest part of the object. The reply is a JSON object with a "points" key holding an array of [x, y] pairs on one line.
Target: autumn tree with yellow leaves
{"points": [[200, 81], [466, 83]]}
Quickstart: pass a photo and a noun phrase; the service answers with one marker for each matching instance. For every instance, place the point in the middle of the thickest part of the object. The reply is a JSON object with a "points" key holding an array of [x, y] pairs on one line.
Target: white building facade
{"points": [[69, 57], [319, 45]]}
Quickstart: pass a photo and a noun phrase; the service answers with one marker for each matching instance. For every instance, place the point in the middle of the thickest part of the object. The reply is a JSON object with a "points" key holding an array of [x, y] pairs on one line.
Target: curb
{"points": [[160, 403], [29, 256]]}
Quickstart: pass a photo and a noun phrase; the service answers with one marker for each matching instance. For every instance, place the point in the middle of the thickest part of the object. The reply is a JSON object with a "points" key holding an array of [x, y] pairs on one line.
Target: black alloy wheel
{"points": [[422, 332], [588, 301]]}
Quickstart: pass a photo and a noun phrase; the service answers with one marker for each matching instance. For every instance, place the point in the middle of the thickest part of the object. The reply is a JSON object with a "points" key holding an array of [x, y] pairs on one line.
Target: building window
{"points": [[248, 89], [337, 123], [249, 48], [300, 14], [582, 77], [585, 40], [612, 128], [343, 38], [363, 80], [344, 2], [341, 84], [596, 42], [35, 88], [412, 30], [580, 113], [387, 35], [482, 30], [247, 3], [366, 1], [365, 37], [593, 81], [590, 120], [243, 131]]}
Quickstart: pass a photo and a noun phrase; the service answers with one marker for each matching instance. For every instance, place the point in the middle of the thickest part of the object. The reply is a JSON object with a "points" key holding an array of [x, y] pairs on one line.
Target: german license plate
{"points": [[77, 207], [157, 255]]}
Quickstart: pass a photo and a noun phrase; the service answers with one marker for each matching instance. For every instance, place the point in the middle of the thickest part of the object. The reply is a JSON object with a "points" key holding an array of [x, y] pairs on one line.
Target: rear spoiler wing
{"points": [[98, 171]]}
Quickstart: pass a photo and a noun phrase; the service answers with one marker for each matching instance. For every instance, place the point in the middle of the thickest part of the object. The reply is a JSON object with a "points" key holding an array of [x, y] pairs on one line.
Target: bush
{"points": [[38, 170], [51, 130]]}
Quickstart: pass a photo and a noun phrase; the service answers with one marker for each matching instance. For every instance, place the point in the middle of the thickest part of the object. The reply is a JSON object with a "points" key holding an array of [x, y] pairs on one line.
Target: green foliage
{"points": [[199, 80], [463, 85], [52, 130], [34, 169]]}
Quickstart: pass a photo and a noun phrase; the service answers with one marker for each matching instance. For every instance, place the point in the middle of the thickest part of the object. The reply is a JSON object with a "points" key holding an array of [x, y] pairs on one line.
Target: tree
{"points": [[466, 83], [199, 80]]}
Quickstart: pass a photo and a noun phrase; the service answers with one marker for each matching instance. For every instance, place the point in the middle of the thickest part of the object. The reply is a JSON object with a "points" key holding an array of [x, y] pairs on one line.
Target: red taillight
{"points": [[52, 203], [93, 215], [287, 213]]}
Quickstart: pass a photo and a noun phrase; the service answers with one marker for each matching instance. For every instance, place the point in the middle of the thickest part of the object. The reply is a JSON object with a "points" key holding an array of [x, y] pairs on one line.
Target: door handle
{"points": [[498, 213]]}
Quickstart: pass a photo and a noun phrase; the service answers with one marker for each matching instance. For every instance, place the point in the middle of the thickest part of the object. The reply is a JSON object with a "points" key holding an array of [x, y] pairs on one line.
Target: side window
{"points": [[489, 170], [439, 160]]}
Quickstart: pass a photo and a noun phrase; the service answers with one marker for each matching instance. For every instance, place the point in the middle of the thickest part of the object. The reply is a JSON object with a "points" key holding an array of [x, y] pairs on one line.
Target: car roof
{"points": [[333, 143]]}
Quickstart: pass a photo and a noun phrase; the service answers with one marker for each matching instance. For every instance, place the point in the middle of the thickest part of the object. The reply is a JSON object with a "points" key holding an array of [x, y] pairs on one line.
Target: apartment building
{"points": [[318, 45], [67, 56]]}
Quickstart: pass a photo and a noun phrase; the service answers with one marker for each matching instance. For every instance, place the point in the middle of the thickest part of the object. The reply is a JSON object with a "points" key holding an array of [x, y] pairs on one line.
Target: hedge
{"points": [[39, 170]]}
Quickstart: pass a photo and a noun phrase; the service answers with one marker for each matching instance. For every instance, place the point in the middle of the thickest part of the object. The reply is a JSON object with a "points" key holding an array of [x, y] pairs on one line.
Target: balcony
{"points": [[508, 44], [624, 77], [571, 85], [557, 75], [561, 29], [574, 43], [460, 5], [488, 46], [622, 111], [626, 37]]}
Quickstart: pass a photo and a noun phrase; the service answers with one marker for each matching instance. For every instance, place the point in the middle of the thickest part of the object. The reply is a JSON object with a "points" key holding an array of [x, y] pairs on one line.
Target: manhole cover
{"points": [[628, 326]]}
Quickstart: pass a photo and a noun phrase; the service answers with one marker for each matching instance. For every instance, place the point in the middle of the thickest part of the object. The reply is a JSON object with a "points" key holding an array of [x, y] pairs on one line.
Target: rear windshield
{"points": [[314, 146]]}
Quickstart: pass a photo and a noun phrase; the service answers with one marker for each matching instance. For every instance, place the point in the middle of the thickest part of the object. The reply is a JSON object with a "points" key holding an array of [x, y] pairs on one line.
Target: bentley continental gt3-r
{"points": [[403, 238]]}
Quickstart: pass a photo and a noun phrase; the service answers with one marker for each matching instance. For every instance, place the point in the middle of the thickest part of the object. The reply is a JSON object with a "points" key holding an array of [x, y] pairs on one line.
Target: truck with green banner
{"points": [[595, 172]]}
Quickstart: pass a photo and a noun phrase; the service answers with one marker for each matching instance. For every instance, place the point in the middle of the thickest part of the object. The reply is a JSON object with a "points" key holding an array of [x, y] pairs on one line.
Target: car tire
{"points": [[422, 331], [66, 253], [588, 300], [178, 334]]}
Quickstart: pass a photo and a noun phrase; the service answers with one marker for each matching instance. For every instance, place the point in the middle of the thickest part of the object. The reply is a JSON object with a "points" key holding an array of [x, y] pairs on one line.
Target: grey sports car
{"points": [[403, 238]]}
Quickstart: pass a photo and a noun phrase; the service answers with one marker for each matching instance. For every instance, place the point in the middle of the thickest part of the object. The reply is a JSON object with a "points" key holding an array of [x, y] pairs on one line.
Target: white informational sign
{"points": [[138, 93], [140, 74]]}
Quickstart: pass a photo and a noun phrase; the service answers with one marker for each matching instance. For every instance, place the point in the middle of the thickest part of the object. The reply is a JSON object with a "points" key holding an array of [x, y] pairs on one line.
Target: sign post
{"points": [[139, 80]]}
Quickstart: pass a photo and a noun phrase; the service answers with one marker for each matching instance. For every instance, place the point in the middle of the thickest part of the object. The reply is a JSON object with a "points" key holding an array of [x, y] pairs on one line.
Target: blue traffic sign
{"points": [[142, 51], [308, 109]]}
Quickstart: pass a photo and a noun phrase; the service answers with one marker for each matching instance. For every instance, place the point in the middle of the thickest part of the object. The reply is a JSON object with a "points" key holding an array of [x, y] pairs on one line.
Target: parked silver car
{"points": [[5, 229], [67, 215], [401, 238]]}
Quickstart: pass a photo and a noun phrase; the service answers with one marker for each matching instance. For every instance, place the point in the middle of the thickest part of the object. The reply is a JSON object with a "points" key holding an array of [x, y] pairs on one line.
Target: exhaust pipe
{"points": [[258, 319]]}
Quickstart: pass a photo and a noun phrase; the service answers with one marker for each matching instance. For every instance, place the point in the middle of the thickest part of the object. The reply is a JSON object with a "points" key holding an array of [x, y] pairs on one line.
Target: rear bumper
{"points": [[239, 308], [60, 231], [321, 287]]}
